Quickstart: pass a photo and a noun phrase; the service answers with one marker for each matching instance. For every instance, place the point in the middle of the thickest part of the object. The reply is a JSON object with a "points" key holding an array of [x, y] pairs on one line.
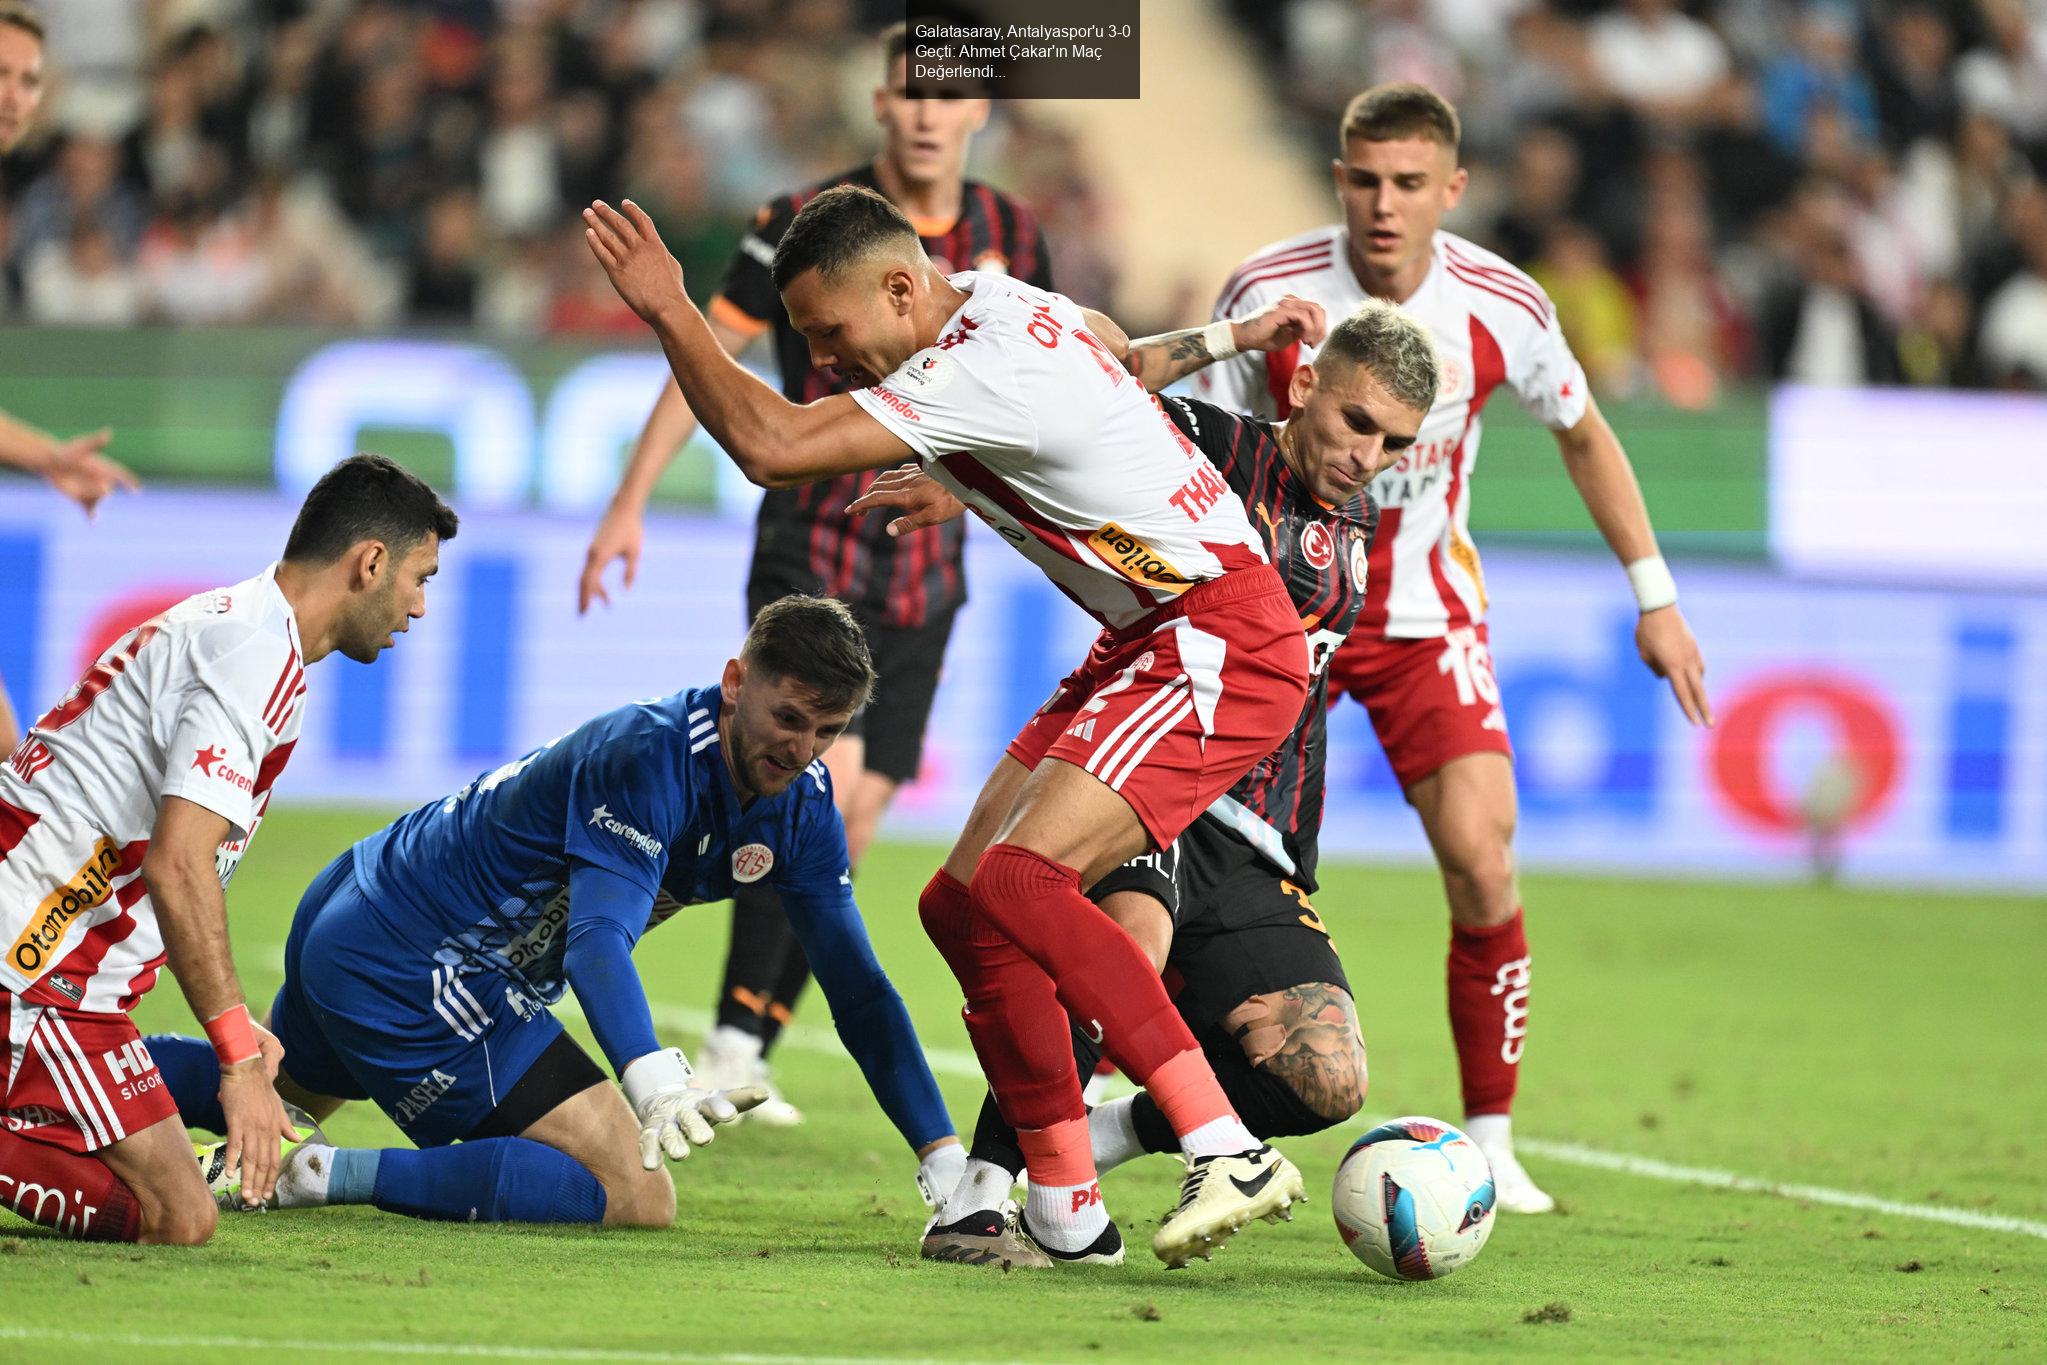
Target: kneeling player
{"points": [[1261, 988], [422, 962]]}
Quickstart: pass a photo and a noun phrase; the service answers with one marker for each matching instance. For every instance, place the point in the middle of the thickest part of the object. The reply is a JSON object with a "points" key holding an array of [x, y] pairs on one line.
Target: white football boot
{"points": [[1221, 1194], [1514, 1190]]}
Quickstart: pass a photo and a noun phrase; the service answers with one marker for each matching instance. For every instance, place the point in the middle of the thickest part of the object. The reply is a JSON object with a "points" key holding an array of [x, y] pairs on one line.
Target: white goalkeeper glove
{"points": [[674, 1114]]}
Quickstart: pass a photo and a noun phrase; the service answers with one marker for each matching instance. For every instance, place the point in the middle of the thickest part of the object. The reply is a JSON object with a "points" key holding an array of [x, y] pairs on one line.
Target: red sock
{"points": [[1014, 1019], [1489, 1011], [77, 1195], [1103, 978]]}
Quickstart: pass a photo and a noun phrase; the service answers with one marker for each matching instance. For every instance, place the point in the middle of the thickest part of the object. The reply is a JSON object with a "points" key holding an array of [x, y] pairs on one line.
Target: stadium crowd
{"points": [[1711, 190]]}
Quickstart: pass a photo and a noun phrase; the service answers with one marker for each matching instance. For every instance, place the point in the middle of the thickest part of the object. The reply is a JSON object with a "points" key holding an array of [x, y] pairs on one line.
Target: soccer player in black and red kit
{"points": [[1225, 910], [905, 591]]}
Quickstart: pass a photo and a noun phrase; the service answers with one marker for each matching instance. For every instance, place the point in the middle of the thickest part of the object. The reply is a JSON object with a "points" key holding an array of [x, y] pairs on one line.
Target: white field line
{"points": [[469, 1350], [954, 1062]]}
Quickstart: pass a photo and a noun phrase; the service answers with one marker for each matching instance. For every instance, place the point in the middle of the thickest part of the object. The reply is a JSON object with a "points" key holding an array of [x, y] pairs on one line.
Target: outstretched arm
{"points": [[775, 443], [868, 1013], [1606, 482], [1159, 361], [75, 468]]}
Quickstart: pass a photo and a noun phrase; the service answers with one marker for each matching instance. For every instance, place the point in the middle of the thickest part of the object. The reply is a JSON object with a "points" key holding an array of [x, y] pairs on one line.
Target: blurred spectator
{"points": [[1661, 62], [2014, 339], [84, 184], [444, 275], [315, 270], [2007, 77], [1818, 327], [1934, 348], [1819, 71], [1542, 187], [1692, 331], [1913, 75], [82, 281], [199, 264], [521, 178], [1595, 308]]}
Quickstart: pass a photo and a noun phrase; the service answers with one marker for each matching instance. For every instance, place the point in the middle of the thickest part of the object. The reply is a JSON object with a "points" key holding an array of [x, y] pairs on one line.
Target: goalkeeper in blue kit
{"points": [[423, 961]]}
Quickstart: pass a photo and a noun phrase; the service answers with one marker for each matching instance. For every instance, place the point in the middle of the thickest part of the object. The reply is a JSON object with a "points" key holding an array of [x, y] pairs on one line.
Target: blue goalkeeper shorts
{"points": [[437, 1045]]}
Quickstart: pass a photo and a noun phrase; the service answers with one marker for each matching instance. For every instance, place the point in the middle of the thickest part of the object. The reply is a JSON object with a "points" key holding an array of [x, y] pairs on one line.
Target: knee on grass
{"points": [[638, 1198], [182, 1223]]}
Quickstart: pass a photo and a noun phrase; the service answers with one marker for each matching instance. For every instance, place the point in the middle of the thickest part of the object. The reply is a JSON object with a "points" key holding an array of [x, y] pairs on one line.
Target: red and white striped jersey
{"points": [[1493, 325], [1028, 419], [203, 702]]}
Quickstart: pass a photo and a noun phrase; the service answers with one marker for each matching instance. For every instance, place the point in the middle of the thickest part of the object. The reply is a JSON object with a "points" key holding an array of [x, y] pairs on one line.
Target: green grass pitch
{"points": [[1884, 1044]]}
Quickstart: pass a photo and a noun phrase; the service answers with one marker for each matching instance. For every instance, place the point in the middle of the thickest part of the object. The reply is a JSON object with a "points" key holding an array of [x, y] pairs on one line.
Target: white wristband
{"points": [[645, 1077], [1654, 588], [1220, 340]]}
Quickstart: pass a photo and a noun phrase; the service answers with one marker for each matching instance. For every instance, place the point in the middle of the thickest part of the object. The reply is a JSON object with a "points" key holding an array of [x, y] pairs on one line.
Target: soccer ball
{"points": [[1414, 1199]]}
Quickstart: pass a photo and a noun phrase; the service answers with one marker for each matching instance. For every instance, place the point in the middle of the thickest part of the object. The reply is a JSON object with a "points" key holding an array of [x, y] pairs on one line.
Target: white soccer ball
{"points": [[1414, 1199]]}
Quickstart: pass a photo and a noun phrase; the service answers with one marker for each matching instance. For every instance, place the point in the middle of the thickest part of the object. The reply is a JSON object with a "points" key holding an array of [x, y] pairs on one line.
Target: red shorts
{"points": [[75, 1080], [1430, 700], [1171, 713]]}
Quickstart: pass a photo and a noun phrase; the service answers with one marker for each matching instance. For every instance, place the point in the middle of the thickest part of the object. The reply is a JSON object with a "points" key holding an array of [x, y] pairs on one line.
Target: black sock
{"points": [[789, 982], [761, 938]]}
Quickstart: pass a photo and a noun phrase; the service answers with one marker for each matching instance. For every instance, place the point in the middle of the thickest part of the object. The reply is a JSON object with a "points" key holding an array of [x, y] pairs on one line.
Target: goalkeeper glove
{"points": [[673, 1112]]}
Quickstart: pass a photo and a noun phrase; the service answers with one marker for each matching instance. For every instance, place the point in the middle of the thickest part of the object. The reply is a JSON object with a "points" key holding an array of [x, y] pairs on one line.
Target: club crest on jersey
{"points": [[1318, 547], [1357, 563], [751, 862], [1451, 382]]}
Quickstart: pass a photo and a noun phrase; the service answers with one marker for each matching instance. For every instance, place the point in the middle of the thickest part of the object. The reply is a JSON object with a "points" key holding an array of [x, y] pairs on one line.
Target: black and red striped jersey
{"points": [[804, 538], [1322, 553]]}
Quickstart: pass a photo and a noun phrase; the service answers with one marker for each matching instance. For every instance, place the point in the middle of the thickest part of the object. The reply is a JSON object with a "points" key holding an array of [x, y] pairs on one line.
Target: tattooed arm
{"points": [[1307, 1035], [1159, 361]]}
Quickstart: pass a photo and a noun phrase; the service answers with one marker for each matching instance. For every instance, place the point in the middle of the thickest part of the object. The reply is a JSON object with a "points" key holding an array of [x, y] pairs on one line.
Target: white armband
{"points": [[1220, 340], [645, 1077], [1654, 588]]}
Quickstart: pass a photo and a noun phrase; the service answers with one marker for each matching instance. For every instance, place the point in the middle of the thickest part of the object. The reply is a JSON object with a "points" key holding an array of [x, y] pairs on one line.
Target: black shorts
{"points": [[1240, 928], [907, 662]]}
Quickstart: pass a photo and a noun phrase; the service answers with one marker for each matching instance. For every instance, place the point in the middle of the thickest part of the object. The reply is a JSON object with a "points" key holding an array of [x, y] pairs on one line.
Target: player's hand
{"points": [[257, 1127], [907, 487], [269, 1051], [78, 471], [1280, 324], [619, 536], [675, 1113], [1666, 645], [643, 272]]}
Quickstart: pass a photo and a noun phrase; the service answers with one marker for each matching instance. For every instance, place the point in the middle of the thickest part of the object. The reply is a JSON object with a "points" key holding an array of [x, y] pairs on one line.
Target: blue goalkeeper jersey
{"points": [[638, 810]]}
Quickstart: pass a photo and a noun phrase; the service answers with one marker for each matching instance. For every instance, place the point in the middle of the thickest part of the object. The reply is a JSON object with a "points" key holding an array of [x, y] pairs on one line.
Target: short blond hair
{"points": [[1394, 348], [1401, 109]]}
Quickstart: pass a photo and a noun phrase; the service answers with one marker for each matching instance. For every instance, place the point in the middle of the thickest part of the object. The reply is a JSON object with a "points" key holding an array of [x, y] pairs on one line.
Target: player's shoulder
{"points": [[1207, 423], [246, 624], [1266, 272], [1491, 285]]}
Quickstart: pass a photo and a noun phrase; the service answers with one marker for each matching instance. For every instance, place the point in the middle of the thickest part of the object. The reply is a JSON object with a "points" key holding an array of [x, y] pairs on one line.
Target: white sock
{"points": [[733, 1042], [1218, 1137], [1492, 1132], [1066, 1217], [1112, 1133], [307, 1177], [984, 1185]]}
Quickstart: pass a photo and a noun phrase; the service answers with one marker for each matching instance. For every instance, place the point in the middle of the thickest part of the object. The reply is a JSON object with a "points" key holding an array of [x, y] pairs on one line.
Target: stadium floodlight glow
{"points": [[469, 394]]}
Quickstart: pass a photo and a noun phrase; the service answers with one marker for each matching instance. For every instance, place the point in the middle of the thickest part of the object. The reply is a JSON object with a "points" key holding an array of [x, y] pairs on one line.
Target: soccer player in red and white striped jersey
{"points": [[1019, 402], [1419, 659], [123, 815]]}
